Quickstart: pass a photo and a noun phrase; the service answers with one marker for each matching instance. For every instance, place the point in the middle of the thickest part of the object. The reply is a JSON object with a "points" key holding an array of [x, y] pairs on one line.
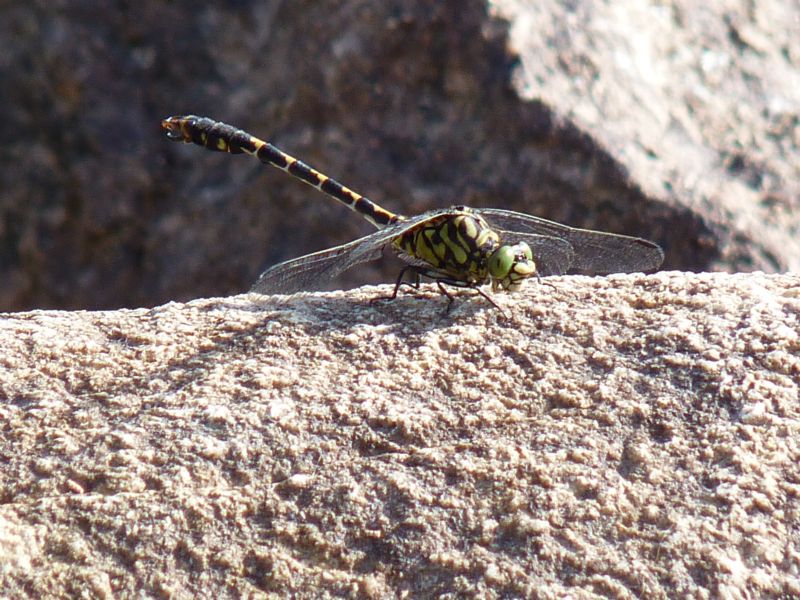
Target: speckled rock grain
{"points": [[631, 436]]}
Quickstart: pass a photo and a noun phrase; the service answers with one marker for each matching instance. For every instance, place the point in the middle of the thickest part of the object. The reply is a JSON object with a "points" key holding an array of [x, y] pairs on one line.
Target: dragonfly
{"points": [[459, 246]]}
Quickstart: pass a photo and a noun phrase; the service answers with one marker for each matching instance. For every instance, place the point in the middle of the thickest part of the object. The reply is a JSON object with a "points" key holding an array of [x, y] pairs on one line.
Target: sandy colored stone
{"points": [[631, 436]]}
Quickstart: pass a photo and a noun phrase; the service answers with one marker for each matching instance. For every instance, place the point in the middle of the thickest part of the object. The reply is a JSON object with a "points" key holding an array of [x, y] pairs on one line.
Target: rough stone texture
{"points": [[699, 103], [632, 436], [665, 120]]}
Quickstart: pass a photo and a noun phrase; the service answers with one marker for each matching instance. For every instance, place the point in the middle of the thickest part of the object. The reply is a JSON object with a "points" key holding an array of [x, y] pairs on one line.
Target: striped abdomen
{"points": [[218, 136]]}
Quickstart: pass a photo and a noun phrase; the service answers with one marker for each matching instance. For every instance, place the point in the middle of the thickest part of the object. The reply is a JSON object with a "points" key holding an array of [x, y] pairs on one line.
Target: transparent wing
{"points": [[311, 271], [595, 252]]}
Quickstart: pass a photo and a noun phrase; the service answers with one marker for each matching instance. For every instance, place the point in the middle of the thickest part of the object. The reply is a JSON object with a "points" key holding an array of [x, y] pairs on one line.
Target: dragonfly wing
{"points": [[595, 252], [312, 271]]}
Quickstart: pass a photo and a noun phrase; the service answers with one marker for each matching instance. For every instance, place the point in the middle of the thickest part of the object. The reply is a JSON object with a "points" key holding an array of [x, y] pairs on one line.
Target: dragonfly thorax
{"points": [[459, 246]]}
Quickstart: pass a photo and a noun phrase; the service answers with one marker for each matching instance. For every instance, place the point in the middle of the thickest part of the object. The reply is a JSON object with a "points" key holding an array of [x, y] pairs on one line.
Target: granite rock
{"points": [[630, 436]]}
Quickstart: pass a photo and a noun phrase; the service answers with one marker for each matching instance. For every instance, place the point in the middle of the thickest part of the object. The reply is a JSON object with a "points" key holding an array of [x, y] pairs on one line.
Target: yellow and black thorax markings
{"points": [[457, 243], [221, 137]]}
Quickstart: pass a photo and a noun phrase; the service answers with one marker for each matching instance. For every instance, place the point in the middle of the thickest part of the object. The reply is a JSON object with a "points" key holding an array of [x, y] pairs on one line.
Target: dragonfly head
{"points": [[509, 266]]}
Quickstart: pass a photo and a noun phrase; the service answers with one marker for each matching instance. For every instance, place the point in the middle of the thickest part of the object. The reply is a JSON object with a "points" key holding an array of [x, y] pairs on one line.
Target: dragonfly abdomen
{"points": [[222, 137]]}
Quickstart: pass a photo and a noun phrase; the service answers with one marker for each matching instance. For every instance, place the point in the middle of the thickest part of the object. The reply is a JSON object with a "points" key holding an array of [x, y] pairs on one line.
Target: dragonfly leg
{"points": [[399, 283], [489, 299], [539, 281], [451, 298]]}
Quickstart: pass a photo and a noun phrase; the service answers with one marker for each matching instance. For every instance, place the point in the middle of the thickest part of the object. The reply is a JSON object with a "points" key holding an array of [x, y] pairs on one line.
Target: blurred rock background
{"points": [[667, 120]]}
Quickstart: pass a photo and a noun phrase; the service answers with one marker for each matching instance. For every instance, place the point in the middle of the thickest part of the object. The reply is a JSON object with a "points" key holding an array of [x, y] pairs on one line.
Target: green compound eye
{"points": [[509, 266], [501, 262]]}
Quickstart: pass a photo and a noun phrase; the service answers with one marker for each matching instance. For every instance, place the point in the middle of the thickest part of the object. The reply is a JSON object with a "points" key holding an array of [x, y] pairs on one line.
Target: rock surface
{"points": [[698, 103], [665, 120], [631, 436]]}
